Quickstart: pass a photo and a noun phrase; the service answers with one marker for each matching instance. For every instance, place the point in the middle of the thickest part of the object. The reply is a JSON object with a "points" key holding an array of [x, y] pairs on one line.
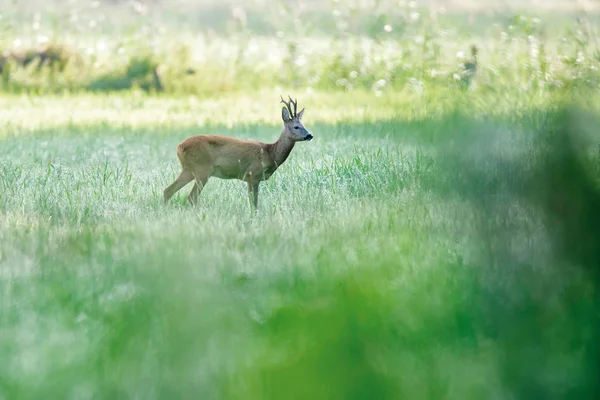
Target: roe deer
{"points": [[203, 156]]}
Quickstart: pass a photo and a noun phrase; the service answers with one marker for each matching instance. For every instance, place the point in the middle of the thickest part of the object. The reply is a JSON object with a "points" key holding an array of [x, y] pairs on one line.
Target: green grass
{"points": [[367, 273], [432, 241]]}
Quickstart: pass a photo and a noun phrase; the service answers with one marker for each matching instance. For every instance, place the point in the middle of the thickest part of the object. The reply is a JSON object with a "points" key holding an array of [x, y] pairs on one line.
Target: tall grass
{"points": [[400, 256]]}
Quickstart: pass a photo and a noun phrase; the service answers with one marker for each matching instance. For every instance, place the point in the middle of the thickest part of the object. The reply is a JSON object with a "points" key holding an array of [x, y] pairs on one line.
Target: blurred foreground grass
{"points": [[408, 251]]}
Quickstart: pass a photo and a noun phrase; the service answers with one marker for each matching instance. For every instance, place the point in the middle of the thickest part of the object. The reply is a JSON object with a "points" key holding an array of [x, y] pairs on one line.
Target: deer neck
{"points": [[281, 149]]}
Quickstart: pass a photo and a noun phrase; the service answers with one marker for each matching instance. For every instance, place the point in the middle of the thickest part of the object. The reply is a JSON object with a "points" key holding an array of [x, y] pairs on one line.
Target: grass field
{"points": [[430, 242], [359, 275]]}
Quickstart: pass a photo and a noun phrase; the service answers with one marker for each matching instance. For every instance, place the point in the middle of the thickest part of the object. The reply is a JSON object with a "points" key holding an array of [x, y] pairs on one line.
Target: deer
{"points": [[204, 156]]}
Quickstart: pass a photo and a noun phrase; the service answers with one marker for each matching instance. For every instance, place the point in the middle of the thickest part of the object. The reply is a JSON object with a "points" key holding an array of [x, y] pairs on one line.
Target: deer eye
{"points": [[296, 127]]}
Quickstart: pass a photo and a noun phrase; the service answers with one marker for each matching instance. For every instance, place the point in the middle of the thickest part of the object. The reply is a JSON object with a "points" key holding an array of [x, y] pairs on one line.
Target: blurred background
{"points": [[208, 47]]}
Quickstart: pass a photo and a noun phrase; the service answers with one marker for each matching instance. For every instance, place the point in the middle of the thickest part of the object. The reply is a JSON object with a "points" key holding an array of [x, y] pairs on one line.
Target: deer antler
{"points": [[289, 104], [295, 104]]}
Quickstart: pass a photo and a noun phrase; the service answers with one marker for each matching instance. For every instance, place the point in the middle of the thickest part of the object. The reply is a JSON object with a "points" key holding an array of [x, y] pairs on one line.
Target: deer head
{"points": [[292, 121]]}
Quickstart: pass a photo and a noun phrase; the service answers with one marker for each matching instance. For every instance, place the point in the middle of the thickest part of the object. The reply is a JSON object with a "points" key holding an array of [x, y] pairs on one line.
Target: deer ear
{"points": [[300, 114], [285, 114]]}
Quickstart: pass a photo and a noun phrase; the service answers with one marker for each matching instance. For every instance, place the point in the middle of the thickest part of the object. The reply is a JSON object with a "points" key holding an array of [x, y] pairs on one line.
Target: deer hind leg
{"points": [[183, 179], [193, 196], [201, 178]]}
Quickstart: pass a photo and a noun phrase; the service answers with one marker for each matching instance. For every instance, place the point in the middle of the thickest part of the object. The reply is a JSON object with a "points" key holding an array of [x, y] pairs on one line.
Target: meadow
{"points": [[437, 239]]}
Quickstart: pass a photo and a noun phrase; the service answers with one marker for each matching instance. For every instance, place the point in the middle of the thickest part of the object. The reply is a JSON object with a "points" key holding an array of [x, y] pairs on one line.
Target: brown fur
{"points": [[205, 156]]}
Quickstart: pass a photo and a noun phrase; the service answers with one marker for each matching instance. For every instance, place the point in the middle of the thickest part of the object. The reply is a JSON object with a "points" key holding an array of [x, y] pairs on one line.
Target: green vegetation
{"points": [[437, 239], [206, 50]]}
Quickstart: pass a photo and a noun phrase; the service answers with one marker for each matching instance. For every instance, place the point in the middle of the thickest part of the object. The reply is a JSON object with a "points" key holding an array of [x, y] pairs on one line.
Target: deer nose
{"points": [[308, 137]]}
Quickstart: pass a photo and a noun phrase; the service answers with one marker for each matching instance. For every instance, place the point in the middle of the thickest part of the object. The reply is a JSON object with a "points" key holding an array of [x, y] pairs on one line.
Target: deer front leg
{"points": [[253, 195]]}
